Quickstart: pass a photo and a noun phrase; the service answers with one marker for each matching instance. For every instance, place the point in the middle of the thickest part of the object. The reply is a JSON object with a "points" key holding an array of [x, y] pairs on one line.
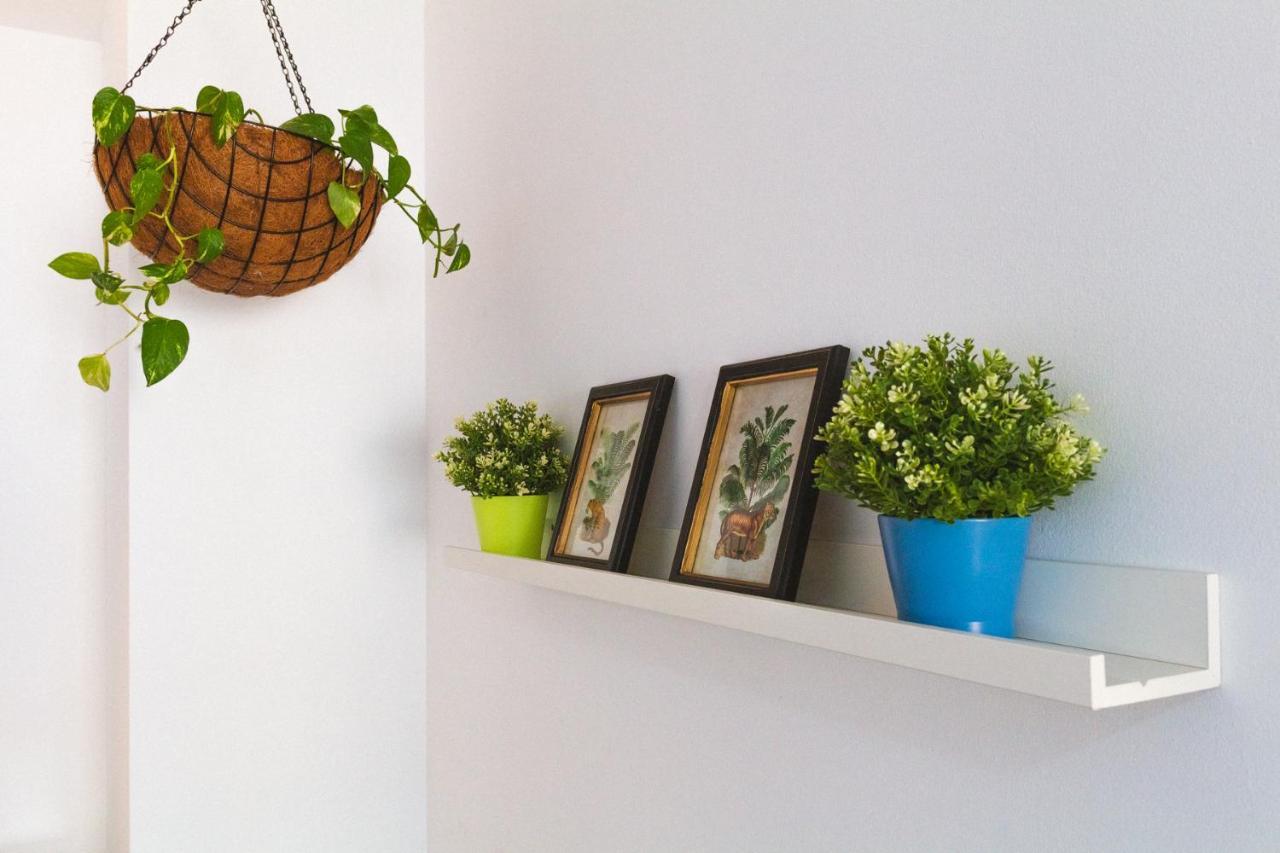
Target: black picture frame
{"points": [[658, 391], [828, 366]]}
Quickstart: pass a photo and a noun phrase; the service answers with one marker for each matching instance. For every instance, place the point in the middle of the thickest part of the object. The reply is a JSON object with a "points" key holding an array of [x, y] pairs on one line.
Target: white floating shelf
{"points": [[1097, 636]]}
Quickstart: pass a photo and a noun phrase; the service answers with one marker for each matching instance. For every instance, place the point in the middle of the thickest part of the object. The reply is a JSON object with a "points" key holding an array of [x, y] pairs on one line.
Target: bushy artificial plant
{"points": [[947, 432], [505, 449]]}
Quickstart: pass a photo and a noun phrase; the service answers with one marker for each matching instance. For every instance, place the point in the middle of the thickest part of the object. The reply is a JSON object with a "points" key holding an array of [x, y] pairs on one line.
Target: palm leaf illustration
{"points": [[762, 473], [612, 462]]}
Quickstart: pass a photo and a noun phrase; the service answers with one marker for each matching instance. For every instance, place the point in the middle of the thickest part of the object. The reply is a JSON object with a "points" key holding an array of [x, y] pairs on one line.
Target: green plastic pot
{"points": [[511, 525]]}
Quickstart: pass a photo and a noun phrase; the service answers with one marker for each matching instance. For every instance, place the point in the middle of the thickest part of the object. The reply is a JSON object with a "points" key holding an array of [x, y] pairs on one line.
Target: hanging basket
{"points": [[265, 189]]}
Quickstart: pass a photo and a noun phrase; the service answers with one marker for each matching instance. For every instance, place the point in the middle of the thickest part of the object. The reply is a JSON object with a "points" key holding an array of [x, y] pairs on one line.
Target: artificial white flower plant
{"points": [[505, 450], [946, 433]]}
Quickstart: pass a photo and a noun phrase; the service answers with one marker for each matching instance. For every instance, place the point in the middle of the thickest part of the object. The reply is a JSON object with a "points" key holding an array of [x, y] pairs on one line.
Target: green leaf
{"points": [[365, 112], [147, 160], [107, 280], [110, 297], [160, 294], [344, 203], [397, 175], [113, 114], [146, 187], [225, 109], [451, 244], [209, 244], [311, 125], [461, 259], [116, 228], [383, 139], [377, 134], [164, 346], [358, 149], [205, 100], [77, 265], [427, 222], [166, 273], [95, 370], [227, 119]]}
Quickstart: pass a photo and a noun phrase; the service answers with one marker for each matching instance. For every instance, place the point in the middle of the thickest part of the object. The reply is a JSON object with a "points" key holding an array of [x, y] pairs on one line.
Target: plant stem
{"points": [[126, 337]]}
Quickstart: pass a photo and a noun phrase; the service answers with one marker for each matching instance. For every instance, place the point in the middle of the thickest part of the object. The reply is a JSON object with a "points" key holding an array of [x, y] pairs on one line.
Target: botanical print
{"points": [[754, 470], [754, 485], [599, 486], [607, 472]]}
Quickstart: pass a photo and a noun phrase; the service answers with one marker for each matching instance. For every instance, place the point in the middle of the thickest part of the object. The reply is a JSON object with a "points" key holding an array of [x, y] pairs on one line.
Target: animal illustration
{"points": [[753, 489], [608, 469], [742, 535], [595, 526]]}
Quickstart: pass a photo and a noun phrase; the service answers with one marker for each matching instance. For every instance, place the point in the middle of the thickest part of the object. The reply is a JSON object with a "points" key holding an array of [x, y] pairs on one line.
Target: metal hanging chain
{"points": [[283, 52], [164, 39]]}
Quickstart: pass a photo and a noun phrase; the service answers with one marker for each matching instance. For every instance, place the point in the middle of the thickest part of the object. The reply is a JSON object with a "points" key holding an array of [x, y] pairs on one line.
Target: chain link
{"points": [[280, 41], [168, 33], [283, 52]]}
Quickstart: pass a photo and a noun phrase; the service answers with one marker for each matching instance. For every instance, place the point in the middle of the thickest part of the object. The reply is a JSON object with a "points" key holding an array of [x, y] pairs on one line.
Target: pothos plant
{"points": [[154, 188]]}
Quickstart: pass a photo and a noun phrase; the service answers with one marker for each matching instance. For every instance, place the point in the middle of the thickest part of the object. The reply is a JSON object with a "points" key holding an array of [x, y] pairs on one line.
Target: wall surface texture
{"points": [[673, 186], [62, 575], [276, 495]]}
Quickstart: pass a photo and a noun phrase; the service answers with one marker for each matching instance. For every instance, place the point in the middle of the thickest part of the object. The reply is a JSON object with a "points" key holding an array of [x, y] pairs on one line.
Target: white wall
{"points": [[62, 576], [276, 491], [672, 186]]}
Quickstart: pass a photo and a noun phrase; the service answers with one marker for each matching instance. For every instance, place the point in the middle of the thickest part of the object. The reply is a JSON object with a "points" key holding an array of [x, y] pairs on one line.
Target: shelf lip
{"points": [[1063, 673]]}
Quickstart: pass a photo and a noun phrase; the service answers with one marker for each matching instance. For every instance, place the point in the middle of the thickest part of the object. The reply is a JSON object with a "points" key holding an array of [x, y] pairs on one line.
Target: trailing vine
{"points": [[154, 189]]}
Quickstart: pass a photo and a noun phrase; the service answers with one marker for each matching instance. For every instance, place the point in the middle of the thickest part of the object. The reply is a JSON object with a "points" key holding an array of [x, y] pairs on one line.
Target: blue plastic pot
{"points": [[963, 575]]}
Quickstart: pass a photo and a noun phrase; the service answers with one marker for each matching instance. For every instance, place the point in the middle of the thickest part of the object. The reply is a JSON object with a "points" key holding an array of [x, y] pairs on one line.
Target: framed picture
{"points": [[751, 505], [609, 474]]}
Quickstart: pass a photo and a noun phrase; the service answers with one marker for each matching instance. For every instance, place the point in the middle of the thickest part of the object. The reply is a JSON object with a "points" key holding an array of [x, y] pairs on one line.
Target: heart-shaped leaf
{"points": [[225, 109], [111, 297], [461, 258], [377, 134], [166, 273], [164, 346], [357, 148], [95, 370], [113, 114], [311, 125], [344, 203], [146, 187], [209, 244], [427, 223], [205, 100], [451, 244], [77, 265], [227, 119], [116, 228], [398, 170], [160, 294], [365, 112], [147, 160]]}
